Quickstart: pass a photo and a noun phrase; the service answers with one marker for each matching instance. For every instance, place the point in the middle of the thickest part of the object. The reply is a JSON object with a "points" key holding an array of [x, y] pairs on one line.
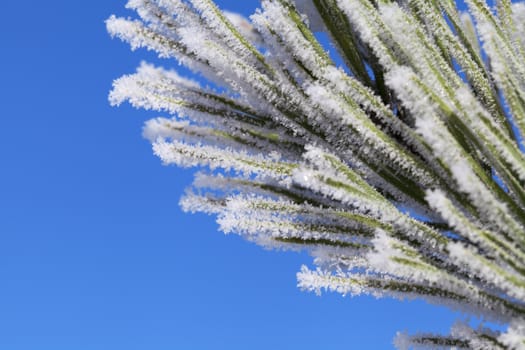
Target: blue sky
{"points": [[94, 250]]}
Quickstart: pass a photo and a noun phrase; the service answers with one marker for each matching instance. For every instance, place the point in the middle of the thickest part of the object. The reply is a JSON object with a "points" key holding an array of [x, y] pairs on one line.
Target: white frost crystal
{"points": [[399, 168]]}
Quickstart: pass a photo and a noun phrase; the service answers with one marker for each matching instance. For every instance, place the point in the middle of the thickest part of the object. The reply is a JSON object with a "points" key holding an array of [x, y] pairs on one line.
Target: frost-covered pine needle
{"points": [[399, 165]]}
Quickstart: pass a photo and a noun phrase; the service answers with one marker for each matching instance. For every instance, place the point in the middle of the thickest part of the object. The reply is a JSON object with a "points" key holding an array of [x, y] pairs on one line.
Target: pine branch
{"points": [[400, 169]]}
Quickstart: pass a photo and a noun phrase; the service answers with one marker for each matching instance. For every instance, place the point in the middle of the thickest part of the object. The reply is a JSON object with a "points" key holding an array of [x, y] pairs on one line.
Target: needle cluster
{"points": [[398, 164]]}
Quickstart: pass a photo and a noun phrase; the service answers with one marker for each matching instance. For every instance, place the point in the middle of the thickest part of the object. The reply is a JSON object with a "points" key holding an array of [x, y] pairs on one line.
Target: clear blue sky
{"points": [[94, 250]]}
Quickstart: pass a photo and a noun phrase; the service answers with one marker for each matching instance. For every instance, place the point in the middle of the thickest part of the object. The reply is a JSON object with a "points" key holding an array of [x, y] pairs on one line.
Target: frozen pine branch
{"points": [[398, 166]]}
